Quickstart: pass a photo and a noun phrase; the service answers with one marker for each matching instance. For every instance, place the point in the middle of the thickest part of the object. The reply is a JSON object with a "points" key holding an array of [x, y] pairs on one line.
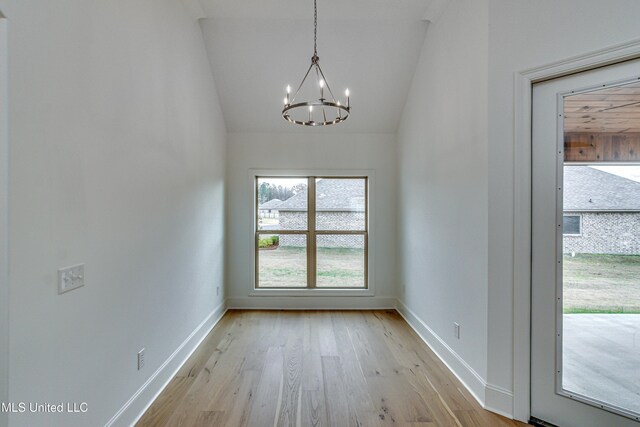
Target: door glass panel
{"points": [[282, 260], [340, 261], [600, 355]]}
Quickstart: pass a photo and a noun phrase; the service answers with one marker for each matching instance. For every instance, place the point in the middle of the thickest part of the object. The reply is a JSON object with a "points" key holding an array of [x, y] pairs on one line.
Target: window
{"points": [[572, 225], [311, 232]]}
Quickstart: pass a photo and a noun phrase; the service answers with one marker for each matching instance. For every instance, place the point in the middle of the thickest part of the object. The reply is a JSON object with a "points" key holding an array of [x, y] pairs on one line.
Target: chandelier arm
{"points": [[300, 87], [333, 98], [318, 78]]}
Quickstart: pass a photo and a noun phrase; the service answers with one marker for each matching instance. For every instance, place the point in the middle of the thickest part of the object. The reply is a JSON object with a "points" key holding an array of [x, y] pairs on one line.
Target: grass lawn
{"points": [[268, 221], [286, 267], [596, 283]]}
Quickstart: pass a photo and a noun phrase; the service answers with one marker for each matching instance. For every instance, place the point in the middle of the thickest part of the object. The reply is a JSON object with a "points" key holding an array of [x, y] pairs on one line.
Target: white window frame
{"points": [[251, 231], [4, 213], [580, 226]]}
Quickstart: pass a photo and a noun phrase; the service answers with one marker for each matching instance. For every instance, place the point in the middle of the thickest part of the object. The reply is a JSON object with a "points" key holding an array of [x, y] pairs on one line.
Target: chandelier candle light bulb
{"points": [[292, 111]]}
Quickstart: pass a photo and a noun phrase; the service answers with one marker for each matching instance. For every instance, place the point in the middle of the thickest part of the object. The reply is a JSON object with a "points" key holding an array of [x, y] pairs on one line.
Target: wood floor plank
{"points": [[415, 375], [454, 394], [216, 376], [368, 359], [339, 412], [194, 364], [166, 403], [354, 379], [328, 346], [268, 398], [209, 419], [388, 387], [312, 410], [238, 410], [312, 369], [291, 401], [316, 368]]}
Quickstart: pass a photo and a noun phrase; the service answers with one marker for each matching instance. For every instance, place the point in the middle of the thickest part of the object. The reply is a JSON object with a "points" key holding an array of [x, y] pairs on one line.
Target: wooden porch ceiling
{"points": [[610, 110]]}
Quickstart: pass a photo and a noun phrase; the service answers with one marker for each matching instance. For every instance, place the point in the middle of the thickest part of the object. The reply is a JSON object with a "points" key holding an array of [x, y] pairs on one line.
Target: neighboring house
{"points": [[269, 209], [601, 212], [340, 205]]}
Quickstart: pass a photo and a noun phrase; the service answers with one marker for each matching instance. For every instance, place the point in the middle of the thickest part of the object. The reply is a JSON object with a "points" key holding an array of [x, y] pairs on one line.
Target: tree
{"points": [[264, 193], [298, 188]]}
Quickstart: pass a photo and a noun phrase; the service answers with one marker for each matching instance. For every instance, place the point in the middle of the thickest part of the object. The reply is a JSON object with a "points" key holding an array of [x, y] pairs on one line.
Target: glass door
{"points": [[586, 248]]}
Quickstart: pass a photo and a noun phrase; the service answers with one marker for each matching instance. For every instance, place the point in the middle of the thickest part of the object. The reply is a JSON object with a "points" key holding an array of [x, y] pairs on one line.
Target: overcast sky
{"points": [[629, 172]]}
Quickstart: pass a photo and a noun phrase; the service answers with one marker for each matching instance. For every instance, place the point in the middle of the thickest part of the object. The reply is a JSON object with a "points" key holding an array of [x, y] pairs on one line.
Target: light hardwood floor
{"points": [[316, 368]]}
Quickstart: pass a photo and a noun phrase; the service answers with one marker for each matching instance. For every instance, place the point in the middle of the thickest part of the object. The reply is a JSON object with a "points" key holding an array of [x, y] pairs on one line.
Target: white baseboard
{"points": [[498, 400], [490, 397], [142, 399], [313, 303]]}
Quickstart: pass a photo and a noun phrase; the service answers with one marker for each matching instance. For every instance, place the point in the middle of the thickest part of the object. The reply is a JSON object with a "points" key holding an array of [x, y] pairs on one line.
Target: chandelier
{"points": [[324, 110]]}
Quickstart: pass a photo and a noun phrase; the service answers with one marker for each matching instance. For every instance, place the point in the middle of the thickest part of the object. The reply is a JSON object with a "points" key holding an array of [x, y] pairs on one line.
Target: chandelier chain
{"points": [[315, 28]]}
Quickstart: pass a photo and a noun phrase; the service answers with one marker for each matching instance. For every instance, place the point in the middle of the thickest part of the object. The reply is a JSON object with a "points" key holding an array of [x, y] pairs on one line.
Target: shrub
{"points": [[269, 242]]}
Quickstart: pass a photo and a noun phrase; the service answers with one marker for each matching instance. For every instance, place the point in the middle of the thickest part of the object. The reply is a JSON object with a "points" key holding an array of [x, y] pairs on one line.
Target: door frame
{"points": [[4, 216], [522, 202]]}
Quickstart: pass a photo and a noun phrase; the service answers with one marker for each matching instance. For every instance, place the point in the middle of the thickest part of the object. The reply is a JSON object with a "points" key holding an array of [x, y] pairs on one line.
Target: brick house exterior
{"points": [[604, 210], [340, 205]]}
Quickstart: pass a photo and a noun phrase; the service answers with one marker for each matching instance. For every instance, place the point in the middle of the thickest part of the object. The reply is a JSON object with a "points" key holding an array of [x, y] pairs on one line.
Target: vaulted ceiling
{"points": [[257, 47]]}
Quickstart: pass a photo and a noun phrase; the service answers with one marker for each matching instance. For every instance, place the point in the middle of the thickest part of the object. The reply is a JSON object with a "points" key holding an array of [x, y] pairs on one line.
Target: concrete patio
{"points": [[602, 357]]}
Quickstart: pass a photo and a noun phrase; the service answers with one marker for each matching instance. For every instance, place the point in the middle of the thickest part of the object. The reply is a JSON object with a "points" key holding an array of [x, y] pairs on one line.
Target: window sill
{"points": [[312, 293]]}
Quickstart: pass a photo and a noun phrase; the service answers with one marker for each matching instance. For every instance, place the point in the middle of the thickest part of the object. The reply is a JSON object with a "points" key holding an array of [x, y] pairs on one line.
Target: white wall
{"points": [[117, 150], [456, 170], [4, 223], [318, 150], [443, 194], [525, 34]]}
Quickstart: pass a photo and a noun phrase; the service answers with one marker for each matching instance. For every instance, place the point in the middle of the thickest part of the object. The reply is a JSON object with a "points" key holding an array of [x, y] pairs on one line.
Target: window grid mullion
{"points": [[311, 226], [343, 232], [282, 232]]}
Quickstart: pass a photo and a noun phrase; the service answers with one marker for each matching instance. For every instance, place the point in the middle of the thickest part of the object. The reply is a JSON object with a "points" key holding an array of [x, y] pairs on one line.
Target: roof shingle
{"points": [[333, 194], [589, 189]]}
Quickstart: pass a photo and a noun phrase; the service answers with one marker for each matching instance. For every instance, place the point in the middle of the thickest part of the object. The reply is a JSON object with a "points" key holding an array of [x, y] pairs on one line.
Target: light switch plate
{"points": [[141, 359], [70, 278]]}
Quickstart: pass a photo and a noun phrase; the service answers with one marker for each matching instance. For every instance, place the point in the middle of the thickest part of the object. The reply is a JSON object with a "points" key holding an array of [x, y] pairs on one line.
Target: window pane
{"points": [[340, 204], [340, 261], [600, 284], [282, 261], [282, 203], [571, 224]]}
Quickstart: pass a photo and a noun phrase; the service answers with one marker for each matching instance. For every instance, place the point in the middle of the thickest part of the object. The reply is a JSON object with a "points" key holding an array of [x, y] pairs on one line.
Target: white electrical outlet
{"points": [[456, 330], [70, 278], [217, 290], [141, 359]]}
